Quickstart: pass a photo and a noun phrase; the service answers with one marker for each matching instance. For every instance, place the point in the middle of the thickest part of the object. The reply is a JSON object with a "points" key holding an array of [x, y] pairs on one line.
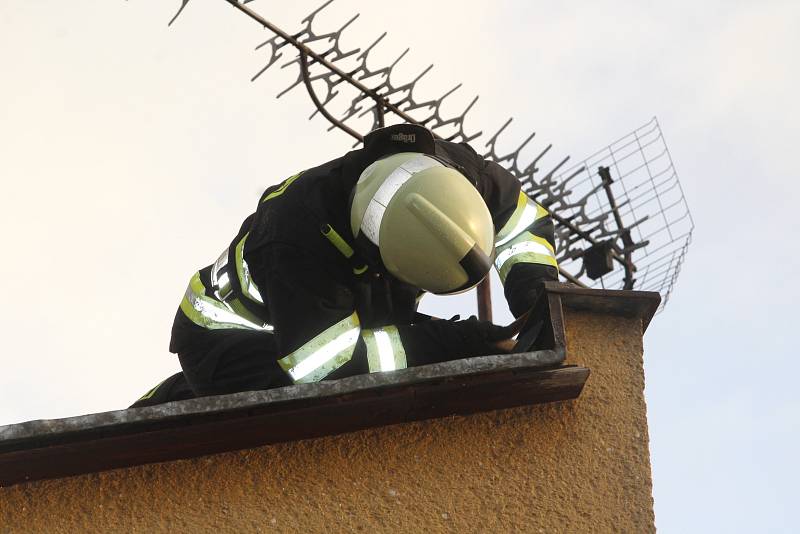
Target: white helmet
{"points": [[429, 222]]}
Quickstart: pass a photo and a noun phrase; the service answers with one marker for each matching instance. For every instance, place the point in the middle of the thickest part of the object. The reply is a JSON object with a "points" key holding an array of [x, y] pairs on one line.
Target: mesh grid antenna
{"points": [[644, 191], [621, 218]]}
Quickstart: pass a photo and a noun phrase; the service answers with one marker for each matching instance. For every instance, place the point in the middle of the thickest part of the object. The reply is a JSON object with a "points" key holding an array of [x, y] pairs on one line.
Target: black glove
{"points": [[529, 334], [534, 323], [478, 338], [439, 341]]}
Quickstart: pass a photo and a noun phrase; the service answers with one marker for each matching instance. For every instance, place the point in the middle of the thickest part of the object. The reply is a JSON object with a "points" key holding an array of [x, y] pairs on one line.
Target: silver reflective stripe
{"points": [[373, 216], [248, 285], [212, 314], [522, 248], [385, 350], [527, 248], [220, 281], [531, 212], [323, 354]]}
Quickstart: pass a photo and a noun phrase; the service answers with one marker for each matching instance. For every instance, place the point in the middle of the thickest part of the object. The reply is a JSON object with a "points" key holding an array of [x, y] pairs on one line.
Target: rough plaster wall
{"points": [[568, 467]]}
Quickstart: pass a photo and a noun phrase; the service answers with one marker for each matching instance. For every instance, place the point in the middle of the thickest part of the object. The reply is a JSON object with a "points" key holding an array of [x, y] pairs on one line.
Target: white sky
{"points": [[129, 153]]}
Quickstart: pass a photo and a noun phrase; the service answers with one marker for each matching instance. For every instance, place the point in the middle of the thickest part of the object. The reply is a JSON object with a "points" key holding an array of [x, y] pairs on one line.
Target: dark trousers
{"points": [[221, 362]]}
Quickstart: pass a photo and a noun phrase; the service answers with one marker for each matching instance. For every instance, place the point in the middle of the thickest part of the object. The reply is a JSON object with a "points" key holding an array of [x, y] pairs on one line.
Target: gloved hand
{"points": [[481, 338], [530, 323], [529, 333]]}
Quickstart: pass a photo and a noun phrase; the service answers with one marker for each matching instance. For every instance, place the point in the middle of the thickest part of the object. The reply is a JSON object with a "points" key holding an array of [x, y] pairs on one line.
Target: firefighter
{"points": [[323, 280]]}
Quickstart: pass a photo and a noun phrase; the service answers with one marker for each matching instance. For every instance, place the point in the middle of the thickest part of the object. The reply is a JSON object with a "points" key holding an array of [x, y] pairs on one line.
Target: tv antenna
{"points": [[622, 221]]}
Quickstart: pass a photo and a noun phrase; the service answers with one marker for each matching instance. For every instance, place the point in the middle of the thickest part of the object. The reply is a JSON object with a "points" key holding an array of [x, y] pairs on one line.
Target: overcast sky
{"points": [[130, 152]]}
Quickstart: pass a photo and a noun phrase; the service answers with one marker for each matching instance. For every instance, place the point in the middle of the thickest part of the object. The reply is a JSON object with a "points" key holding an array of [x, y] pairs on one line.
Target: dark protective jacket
{"points": [[328, 315]]}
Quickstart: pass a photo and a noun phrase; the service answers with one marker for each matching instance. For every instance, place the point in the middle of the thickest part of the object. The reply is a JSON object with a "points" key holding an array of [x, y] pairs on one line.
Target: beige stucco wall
{"points": [[578, 466]]}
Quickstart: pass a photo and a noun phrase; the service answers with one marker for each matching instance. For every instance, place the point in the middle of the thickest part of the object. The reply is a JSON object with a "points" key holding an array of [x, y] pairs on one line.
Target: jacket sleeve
{"points": [[319, 335], [525, 252]]}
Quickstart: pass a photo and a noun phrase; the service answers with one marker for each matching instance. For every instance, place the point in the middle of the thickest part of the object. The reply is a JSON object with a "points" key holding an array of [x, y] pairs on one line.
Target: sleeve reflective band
{"points": [[385, 350], [213, 314], [246, 282], [220, 282], [526, 248], [236, 306], [527, 213], [324, 353]]}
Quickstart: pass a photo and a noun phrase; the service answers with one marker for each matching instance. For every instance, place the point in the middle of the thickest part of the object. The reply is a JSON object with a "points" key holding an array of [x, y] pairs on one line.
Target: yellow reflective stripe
{"points": [[372, 350], [360, 270], [385, 351], [526, 248], [242, 311], [524, 237], [541, 212], [522, 201], [246, 282], [323, 354], [526, 213], [213, 314], [390, 347], [278, 192], [152, 391]]}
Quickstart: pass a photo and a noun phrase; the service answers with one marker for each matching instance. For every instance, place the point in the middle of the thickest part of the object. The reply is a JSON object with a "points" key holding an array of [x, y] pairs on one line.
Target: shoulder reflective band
{"points": [[246, 282], [385, 350], [286, 183], [371, 223], [324, 353], [526, 214], [526, 248], [212, 314]]}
